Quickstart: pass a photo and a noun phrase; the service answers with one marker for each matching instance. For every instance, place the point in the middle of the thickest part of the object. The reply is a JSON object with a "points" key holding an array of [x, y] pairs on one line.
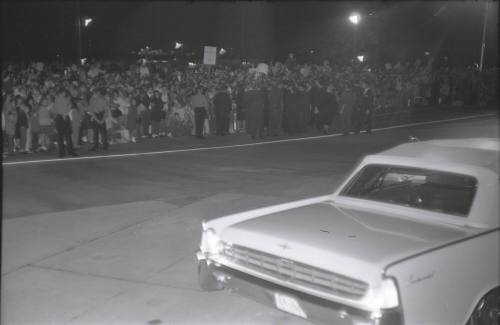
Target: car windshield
{"points": [[414, 187]]}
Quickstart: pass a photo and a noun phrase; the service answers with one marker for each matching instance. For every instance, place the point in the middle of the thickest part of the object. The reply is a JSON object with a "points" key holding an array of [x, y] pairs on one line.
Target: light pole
{"points": [[354, 18], [86, 22], [483, 43]]}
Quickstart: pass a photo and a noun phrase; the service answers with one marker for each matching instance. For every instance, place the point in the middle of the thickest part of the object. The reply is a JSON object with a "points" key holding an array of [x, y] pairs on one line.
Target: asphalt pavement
{"points": [[110, 238]]}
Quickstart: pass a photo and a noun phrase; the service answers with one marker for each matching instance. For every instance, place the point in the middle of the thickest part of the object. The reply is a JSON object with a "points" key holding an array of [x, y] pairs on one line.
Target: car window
{"points": [[414, 187]]}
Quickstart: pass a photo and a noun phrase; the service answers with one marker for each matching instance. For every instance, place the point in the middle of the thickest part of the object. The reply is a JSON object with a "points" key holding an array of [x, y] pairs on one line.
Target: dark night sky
{"points": [[262, 29]]}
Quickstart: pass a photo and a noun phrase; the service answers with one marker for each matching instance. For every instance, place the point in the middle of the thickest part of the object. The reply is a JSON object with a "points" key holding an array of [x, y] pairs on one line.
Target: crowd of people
{"points": [[52, 105]]}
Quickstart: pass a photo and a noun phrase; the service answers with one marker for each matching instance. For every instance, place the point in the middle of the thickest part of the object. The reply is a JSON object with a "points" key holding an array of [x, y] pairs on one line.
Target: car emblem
{"points": [[285, 246]]}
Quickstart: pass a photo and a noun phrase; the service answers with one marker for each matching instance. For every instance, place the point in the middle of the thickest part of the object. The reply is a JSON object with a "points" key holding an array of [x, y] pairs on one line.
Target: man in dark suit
{"points": [[365, 109], [253, 103], [275, 99], [222, 108]]}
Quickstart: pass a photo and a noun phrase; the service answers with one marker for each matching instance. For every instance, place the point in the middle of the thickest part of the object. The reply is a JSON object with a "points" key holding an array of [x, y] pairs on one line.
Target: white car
{"points": [[411, 237]]}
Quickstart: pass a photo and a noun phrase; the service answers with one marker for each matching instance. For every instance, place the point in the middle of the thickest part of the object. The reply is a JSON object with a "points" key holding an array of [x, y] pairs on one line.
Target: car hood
{"points": [[347, 241]]}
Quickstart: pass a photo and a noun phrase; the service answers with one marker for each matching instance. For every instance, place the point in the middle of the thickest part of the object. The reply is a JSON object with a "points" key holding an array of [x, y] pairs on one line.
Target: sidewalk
{"points": [[416, 115]]}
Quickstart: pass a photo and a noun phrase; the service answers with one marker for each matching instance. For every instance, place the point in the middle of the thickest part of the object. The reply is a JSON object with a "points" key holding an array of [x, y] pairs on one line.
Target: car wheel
{"points": [[487, 311]]}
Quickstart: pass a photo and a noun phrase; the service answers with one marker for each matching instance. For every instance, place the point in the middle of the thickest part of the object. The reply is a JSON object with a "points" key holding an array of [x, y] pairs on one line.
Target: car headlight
{"points": [[210, 242]]}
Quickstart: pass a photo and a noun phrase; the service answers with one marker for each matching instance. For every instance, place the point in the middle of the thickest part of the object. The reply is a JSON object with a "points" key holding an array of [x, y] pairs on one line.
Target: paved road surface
{"points": [[111, 240]]}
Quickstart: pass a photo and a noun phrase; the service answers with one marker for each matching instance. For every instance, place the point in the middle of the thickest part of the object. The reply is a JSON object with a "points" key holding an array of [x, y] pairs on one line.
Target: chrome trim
{"points": [[295, 272]]}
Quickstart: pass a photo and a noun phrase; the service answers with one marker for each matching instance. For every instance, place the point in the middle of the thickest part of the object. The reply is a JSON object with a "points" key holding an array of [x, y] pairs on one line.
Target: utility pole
{"points": [[78, 32], [483, 43]]}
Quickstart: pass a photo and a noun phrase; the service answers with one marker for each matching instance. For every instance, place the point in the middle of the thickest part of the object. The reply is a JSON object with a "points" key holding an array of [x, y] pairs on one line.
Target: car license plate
{"points": [[288, 304]]}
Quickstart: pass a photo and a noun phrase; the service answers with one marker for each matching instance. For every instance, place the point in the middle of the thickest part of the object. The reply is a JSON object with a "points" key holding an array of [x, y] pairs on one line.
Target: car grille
{"points": [[295, 272]]}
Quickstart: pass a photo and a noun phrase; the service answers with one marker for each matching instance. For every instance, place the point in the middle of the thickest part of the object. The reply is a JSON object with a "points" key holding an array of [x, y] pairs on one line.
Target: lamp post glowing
{"points": [[355, 18], [178, 45], [222, 51], [86, 22], [361, 58]]}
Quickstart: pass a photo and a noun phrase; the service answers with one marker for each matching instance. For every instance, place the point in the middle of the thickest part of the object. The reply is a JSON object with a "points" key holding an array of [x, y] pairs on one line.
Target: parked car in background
{"points": [[411, 237]]}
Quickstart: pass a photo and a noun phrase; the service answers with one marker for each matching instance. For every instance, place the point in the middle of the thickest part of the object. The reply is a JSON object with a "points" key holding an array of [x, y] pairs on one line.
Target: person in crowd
{"points": [[365, 112], [292, 109], [303, 104], [45, 122], [275, 100], [199, 103], [145, 113], [254, 101], [347, 106], [62, 108], [133, 122], [98, 107], [156, 113], [22, 124], [240, 110], [222, 108], [34, 126], [75, 115], [164, 112], [327, 107], [10, 114]]}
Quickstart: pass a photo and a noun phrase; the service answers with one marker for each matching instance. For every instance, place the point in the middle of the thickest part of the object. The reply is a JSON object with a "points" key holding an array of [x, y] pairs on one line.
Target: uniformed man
{"points": [[253, 103]]}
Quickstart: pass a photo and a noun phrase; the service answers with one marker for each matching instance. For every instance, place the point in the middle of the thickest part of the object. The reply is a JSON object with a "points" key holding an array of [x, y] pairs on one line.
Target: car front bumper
{"points": [[317, 310]]}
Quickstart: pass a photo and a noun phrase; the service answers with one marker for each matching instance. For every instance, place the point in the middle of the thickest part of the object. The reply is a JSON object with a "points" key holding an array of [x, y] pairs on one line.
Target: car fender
{"points": [[457, 274]]}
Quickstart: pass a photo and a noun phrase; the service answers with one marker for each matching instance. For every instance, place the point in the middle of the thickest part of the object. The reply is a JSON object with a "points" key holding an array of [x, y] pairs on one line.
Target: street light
{"points": [[355, 18], [178, 45], [222, 51], [87, 21], [361, 58]]}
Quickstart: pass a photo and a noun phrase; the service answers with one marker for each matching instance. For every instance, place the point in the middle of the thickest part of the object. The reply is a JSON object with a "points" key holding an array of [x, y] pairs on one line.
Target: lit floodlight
{"points": [[361, 58], [87, 21], [191, 64], [222, 51], [355, 18], [178, 45], [83, 61]]}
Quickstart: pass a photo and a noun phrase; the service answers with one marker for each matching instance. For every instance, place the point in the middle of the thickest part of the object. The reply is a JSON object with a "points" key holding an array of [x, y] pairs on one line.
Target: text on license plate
{"points": [[288, 304]]}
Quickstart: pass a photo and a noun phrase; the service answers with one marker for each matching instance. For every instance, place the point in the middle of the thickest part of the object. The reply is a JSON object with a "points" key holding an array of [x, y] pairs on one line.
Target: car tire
{"points": [[487, 311], [206, 279]]}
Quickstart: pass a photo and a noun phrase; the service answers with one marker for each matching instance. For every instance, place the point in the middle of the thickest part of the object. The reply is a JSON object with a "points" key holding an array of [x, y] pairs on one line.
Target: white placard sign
{"points": [[209, 55]]}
